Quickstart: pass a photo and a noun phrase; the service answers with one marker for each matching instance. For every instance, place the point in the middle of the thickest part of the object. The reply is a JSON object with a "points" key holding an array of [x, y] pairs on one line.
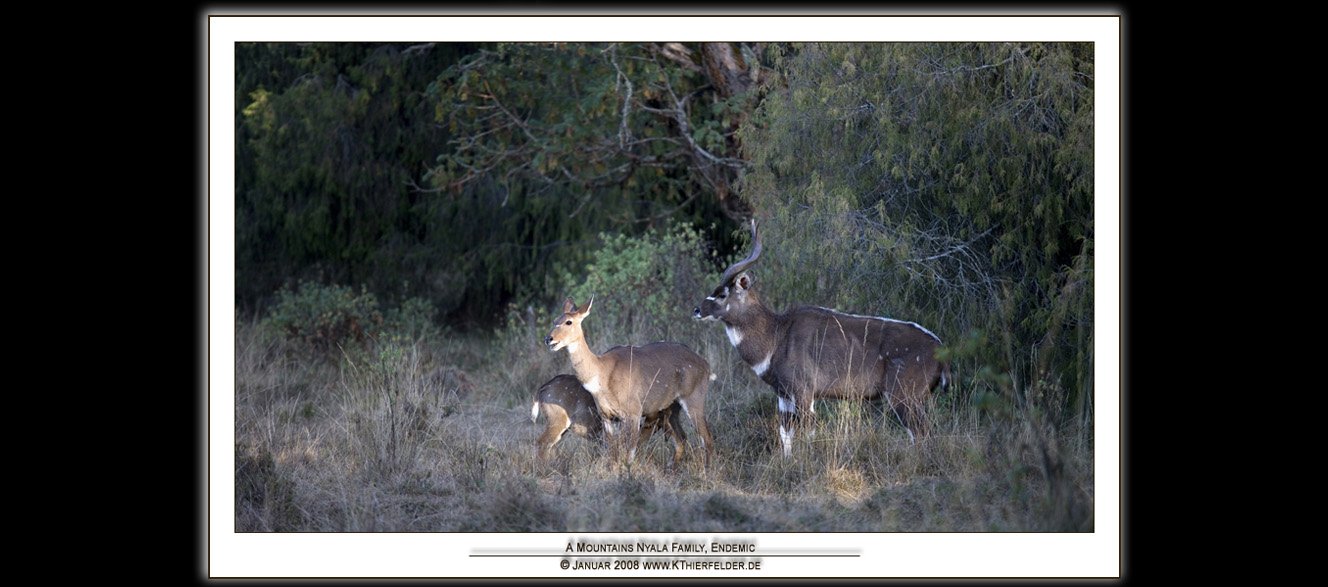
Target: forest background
{"points": [[407, 215]]}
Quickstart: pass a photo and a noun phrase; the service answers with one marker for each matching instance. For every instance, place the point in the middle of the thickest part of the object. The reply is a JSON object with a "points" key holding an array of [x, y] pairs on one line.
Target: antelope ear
{"points": [[586, 310], [743, 282], [569, 306]]}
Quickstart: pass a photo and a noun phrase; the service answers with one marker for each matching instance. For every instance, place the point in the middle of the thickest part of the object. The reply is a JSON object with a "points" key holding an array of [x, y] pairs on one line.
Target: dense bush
{"points": [[644, 286], [381, 164], [330, 316]]}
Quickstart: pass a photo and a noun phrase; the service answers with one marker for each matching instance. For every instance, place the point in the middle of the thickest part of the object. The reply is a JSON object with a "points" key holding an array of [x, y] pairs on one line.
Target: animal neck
{"points": [[586, 364], [753, 334]]}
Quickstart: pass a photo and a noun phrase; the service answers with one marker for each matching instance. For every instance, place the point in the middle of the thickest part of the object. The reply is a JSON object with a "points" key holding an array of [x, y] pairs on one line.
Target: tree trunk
{"points": [[728, 75]]}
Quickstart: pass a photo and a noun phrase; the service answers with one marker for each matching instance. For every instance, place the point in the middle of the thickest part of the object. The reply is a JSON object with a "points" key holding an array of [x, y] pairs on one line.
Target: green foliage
{"points": [[334, 316], [329, 140], [469, 173], [553, 145], [576, 119], [412, 320], [644, 286], [945, 183], [324, 317]]}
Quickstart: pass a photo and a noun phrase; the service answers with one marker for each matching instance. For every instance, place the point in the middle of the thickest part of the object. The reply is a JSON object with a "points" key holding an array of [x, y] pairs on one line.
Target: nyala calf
{"points": [[568, 407]]}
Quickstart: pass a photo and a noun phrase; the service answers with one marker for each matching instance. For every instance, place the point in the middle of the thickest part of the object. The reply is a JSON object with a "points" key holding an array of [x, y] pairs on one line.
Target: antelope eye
{"points": [[569, 322], [722, 296]]}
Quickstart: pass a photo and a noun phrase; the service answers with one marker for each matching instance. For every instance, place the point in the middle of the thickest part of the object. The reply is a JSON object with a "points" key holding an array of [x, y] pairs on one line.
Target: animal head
{"points": [[567, 329], [734, 295]]}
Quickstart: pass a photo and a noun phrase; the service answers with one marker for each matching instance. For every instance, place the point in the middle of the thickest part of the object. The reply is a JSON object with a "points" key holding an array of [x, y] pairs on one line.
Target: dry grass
{"points": [[436, 437]]}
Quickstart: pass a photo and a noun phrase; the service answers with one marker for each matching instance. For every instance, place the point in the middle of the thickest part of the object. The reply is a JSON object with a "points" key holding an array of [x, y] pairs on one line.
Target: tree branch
{"points": [[623, 133], [677, 53]]}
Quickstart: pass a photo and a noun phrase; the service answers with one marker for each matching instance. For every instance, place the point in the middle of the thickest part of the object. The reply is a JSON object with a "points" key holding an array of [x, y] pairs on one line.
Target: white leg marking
{"points": [[785, 405], [786, 438]]}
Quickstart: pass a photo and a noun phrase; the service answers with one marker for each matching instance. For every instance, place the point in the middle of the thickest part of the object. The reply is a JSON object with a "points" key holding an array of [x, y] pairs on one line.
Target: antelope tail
{"points": [[534, 410]]}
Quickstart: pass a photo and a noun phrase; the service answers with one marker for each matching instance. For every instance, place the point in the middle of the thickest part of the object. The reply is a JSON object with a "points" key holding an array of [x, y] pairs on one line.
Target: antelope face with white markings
{"points": [[732, 300], [567, 329]]}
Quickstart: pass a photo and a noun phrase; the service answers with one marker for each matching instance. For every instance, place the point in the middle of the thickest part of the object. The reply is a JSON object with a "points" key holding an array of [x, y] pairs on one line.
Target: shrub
{"points": [[644, 286], [331, 316], [413, 320]]}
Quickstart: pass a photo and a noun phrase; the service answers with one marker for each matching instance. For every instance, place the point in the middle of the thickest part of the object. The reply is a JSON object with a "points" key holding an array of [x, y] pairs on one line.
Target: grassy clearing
{"points": [[435, 436]]}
